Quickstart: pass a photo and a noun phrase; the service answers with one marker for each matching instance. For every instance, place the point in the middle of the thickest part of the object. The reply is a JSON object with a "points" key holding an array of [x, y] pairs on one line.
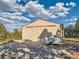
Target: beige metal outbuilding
{"points": [[38, 28]]}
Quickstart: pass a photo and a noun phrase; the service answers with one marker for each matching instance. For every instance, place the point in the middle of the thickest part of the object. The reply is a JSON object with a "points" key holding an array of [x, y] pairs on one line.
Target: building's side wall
{"points": [[62, 29], [34, 33]]}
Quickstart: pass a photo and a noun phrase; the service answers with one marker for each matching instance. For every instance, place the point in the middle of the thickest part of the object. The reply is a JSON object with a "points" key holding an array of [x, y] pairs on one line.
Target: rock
{"points": [[37, 57], [26, 56], [55, 57], [66, 52], [19, 41], [26, 49]]}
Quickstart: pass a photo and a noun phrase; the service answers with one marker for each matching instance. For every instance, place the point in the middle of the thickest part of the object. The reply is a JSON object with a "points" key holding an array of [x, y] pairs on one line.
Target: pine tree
{"points": [[16, 34], [77, 25], [3, 32]]}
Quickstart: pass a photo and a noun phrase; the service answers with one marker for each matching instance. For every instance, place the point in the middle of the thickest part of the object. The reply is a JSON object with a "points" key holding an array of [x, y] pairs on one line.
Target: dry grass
{"points": [[71, 40]]}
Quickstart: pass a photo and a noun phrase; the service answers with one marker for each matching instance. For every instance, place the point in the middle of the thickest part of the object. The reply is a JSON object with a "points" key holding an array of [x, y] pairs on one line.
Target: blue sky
{"points": [[17, 13]]}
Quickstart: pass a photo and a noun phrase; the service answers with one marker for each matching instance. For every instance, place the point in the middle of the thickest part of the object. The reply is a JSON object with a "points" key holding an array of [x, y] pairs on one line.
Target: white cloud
{"points": [[60, 4], [11, 6], [73, 19], [9, 0], [6, 6], [53, 16], [6, 20], [13, 16], [71, 23], [33, 8], [13, 20], [71, 4], [59, 10], [11, 24], [38, 10]]}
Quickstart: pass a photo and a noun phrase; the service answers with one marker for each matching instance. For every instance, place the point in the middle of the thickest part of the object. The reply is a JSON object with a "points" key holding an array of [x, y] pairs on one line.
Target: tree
{"points": [[16, 34], [3, 32], [77, 25], [70, 27], [69, 30]]}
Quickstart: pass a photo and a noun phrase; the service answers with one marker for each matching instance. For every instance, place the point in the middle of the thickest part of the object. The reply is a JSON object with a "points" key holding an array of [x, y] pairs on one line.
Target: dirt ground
{"points": [[75, 55], [72, 51], [70, 41]]}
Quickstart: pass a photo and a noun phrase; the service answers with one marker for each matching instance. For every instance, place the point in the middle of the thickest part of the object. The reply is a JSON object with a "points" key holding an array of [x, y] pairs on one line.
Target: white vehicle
{"points": [[57, 40], [53, 40]]}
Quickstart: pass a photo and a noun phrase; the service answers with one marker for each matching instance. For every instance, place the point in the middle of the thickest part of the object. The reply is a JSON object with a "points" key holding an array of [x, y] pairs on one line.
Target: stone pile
{"points": [[16, 50]]}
